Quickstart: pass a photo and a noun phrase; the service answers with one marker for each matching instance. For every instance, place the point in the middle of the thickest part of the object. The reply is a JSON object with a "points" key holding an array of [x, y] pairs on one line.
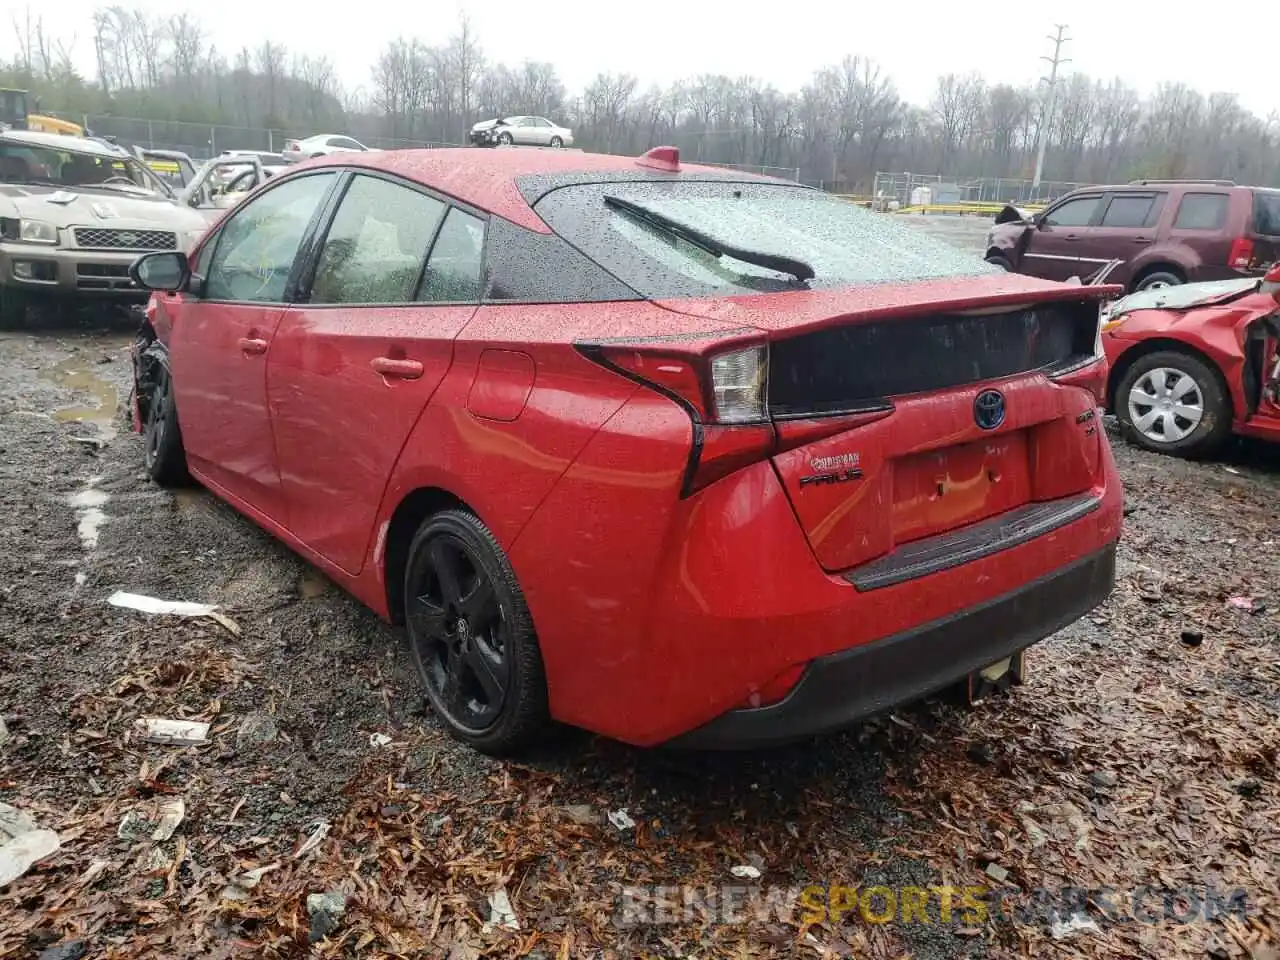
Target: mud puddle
{"points": [[75, 373]]}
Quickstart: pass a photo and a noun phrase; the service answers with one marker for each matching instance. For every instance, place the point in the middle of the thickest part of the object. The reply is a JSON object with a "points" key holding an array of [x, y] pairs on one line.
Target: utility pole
{"points": [[1042, 135]]}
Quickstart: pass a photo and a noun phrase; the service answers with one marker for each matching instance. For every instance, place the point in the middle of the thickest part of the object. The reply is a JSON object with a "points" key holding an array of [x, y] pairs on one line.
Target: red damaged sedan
{"points": [[1191, 365], [673, 454]]}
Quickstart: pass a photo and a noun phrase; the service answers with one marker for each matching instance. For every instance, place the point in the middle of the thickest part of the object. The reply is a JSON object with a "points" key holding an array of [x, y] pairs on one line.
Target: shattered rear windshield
{"points": [[845, 244]]}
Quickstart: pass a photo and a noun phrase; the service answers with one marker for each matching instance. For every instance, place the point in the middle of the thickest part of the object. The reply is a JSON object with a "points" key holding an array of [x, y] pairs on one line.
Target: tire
{"points": [[1001, 261], [1157, 278], [472, 637], [557, 142], [505, 139], [164, 457], [13, 308], [1191, 437]]}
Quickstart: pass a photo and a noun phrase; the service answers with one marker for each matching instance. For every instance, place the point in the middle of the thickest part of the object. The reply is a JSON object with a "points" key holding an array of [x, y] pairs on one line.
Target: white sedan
{"points": [[321, 145], [529, 131]]}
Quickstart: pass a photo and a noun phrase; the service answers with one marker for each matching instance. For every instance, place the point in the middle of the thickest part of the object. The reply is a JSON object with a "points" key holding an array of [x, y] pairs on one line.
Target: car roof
{"points": [[61, 141], [1194, 186], [487, 179]]}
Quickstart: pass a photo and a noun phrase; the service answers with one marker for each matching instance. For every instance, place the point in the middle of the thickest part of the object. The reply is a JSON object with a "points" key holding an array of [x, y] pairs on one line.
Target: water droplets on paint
{"points": [[90, 516]]}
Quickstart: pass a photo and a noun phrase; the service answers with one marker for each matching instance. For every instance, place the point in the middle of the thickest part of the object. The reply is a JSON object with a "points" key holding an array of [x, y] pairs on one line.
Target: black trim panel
{"points": [[919, 558], [844, 687]]}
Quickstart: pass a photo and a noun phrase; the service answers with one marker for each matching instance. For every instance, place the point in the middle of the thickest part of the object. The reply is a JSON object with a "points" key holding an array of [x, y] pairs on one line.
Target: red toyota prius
{"points": [[674, 454]]}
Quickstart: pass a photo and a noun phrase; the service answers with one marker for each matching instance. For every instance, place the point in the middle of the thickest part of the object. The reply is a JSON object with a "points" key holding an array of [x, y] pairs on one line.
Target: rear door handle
{"points": [[1141, 239], [400, 369], [253, 345], [1072, 236]]}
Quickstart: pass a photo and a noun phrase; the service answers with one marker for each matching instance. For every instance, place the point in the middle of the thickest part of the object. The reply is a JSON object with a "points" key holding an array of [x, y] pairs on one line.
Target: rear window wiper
{"points": [[771, 261]]}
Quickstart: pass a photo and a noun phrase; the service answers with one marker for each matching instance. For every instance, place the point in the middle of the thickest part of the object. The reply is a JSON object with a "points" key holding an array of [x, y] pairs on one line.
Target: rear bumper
{"points": [[652, 629], [838, 689]]}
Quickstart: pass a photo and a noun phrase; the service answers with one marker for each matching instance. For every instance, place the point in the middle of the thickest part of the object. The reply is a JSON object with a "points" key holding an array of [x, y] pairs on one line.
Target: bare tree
{"points": [[467, 62]]}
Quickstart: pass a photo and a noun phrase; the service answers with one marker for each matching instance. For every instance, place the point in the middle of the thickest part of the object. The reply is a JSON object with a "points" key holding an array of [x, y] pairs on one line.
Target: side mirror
{"points": [[167, 271]]}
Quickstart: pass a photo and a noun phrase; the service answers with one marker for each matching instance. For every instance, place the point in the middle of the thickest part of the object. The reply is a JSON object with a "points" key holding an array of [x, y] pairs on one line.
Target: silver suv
{"points": [[74, 215]]}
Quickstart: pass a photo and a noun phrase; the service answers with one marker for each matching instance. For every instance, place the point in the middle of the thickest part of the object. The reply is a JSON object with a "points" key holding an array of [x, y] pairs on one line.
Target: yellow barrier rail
{"points": [[979, 209], [962, 208]]}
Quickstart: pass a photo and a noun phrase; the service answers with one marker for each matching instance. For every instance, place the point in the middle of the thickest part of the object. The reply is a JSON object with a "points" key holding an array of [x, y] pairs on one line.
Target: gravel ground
{"points": [[1140, 753]]}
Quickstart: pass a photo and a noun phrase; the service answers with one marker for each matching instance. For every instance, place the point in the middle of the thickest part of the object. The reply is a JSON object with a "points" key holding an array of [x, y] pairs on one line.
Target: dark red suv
{"points": [[1165, 232]]}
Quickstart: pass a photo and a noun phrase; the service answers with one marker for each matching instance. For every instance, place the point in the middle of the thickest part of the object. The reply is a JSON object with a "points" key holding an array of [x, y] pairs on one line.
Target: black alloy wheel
{"points": [[471, 635], [164, 456]]}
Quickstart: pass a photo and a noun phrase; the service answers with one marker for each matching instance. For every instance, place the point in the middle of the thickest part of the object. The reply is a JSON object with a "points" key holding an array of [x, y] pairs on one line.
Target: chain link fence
{"points": [[916, 189], [781, 173]]}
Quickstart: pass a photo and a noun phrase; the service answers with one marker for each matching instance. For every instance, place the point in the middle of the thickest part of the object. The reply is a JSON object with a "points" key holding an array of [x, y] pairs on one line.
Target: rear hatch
{"points": [[910, 452], [881, 339]]}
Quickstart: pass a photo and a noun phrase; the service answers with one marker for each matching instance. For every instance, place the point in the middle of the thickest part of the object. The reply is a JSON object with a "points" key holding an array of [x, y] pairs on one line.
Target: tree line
{"points": [[848, 121]]}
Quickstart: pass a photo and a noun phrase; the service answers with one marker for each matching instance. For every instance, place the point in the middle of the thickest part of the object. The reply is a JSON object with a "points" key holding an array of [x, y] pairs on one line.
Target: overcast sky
{"points": [[781, 43]]}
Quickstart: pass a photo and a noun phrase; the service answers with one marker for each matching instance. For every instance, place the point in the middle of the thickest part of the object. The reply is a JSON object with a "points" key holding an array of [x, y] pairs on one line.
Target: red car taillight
{"points": [[292, 145], [1241, 255], [724, 394]]}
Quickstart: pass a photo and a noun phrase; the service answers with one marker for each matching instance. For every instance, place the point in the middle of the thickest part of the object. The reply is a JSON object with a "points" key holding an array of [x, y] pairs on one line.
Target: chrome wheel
{"points": [[459, 633], [1166, 405]]}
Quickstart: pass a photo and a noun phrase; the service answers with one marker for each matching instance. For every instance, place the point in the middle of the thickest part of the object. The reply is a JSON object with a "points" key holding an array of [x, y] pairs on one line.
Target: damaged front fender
{"points": [[149, 357], [1013, 214]]}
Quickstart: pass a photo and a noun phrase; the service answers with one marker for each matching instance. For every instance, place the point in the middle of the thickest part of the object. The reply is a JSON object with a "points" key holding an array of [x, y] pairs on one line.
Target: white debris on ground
{"points": [[182, 733], [318, 832], [177, 608], [501, 913], [1076, 923], [621, 819], [172, 813], [22, 844]]}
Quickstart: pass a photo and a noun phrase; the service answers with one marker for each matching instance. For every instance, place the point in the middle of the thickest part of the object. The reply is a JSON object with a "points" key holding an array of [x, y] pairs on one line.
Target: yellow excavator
{"points": [[14, 115]]}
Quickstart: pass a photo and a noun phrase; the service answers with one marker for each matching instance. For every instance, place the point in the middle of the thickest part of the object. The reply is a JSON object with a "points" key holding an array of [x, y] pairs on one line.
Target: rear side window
{"points": [[453, 270], [1133, 210], [1202, 211], [1266, 213], [1074, 213], [375, 247], [673, 246]]}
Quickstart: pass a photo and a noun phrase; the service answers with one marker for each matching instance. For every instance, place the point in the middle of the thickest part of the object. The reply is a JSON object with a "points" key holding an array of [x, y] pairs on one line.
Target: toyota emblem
{"points": [[988, 409]]}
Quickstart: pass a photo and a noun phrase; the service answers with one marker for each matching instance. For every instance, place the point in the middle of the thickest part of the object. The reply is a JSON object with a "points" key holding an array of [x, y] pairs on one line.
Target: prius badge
{"points": [[839, 468]]}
